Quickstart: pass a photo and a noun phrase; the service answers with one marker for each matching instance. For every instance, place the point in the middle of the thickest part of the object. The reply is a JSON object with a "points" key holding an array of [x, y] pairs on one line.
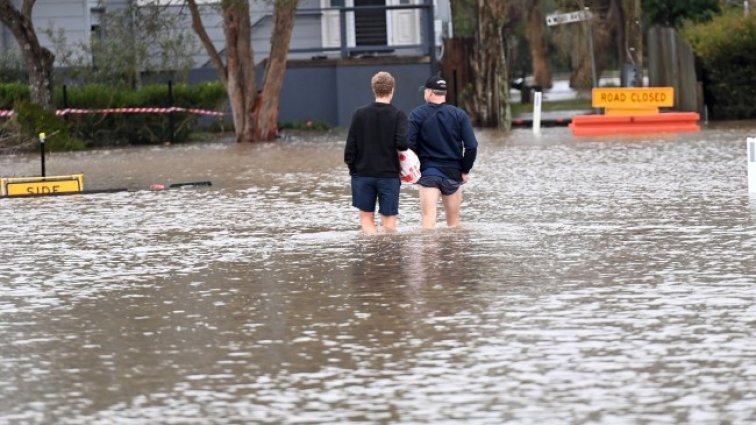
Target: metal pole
{"points": [[594, 83], [42, 151], [343, 32], [751, 152], [171, 136], [65, 101], [430, 33], [537, 113]]}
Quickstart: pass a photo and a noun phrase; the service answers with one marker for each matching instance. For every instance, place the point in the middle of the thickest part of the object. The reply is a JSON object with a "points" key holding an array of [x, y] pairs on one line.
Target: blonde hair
{"points": [[382, 84]]}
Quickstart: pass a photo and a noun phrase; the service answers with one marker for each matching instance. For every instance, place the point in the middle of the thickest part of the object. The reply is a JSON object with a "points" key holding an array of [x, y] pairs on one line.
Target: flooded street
{"points": [[595, 281]]}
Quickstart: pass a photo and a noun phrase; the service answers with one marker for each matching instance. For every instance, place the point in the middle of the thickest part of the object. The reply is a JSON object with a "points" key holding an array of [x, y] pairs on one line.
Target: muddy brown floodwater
{"points": [[603, 281]]}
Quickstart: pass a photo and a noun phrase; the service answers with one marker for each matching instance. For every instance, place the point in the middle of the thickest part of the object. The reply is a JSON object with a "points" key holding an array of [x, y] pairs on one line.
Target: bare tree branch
{"points": [[26, 9], [199, 28], [37, 59]]}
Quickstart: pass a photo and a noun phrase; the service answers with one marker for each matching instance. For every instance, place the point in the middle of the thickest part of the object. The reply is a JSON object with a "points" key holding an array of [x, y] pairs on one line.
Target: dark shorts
{"points": [[446, 185], [365, 191]]}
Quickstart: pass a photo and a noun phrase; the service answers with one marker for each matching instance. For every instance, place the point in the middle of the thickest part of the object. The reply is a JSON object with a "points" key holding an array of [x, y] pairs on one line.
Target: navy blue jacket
{"points": [[442, 137]]}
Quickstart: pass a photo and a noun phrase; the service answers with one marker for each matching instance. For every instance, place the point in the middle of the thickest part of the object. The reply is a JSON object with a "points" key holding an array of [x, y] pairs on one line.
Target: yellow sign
{"points": [[633, 100], [29, 186]]}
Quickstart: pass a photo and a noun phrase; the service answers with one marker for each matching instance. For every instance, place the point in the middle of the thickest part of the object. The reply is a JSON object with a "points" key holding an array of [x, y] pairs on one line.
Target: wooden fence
{"points": [[671, 62]]}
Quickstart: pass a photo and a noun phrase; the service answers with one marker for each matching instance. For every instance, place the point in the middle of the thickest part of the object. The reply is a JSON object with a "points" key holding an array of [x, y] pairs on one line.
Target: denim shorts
{"points": [[365, 191], [446, 185]]}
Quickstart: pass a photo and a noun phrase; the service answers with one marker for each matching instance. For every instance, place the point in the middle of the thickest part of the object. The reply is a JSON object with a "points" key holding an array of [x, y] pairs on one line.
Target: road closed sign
{"points": [[633, 97]]}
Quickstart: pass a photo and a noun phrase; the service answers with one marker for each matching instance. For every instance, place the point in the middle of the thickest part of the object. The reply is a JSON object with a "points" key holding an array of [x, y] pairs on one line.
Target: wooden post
{"points": [[456, 67], [634, 36]]}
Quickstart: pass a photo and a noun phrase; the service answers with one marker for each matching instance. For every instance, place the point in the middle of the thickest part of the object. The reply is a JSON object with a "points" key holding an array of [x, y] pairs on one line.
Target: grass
{"points": [[562, 105]]}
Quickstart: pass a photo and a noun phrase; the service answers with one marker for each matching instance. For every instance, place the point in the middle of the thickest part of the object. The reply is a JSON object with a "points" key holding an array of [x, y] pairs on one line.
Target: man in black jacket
{"points": [[442, 137], [377, 132]]}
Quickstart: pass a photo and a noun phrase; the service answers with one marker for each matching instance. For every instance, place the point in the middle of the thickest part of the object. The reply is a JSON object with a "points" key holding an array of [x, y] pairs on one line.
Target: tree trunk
{"points": [[488, 104], [537, 40], [477, 104], [37, 59], [238, 74], [504, 121], [608, 33], [241, 81], [582, 72], [255, 114], [275, 69]]}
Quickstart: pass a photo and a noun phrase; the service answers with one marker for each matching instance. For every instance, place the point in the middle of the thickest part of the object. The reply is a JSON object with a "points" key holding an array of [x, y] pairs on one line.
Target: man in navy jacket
{"points": [[443, 138]]}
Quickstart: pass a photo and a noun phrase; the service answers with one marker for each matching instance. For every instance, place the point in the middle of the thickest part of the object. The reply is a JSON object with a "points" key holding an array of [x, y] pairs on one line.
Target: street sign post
{"points": [[567, 18]]}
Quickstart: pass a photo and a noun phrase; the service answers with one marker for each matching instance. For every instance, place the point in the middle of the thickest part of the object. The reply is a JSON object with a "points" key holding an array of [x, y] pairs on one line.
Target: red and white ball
{"points": [[410, 166]]}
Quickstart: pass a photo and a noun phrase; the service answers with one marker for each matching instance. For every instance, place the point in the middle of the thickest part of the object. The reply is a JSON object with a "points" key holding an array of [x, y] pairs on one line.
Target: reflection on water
{"points": [[595, 281]]}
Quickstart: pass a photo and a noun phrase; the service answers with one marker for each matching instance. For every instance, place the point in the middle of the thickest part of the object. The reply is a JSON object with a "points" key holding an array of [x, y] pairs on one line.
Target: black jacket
{"points": [[377, 132]]}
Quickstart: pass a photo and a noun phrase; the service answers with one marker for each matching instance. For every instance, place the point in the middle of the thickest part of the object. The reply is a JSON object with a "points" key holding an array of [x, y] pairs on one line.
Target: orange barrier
{"points": [[666, 122]]}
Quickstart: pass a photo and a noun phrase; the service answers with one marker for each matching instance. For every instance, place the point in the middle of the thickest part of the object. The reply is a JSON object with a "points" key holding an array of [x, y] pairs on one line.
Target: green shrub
{"points": [[33, 120], [675, 12], [138, 128], [203, 96], [725, 47], [124, 128], [10, 93]]}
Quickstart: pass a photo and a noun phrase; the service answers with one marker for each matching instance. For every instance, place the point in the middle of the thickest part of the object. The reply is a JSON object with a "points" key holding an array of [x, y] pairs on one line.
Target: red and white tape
{"points": [[73, 111]]}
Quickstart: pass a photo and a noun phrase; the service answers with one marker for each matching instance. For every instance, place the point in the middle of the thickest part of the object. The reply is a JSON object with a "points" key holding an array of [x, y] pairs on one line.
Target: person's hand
{"points": [[465, 178]]}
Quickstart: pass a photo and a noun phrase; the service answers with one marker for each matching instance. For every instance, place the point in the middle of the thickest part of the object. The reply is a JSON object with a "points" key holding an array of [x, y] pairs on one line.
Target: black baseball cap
{"points": [[434, 83]]}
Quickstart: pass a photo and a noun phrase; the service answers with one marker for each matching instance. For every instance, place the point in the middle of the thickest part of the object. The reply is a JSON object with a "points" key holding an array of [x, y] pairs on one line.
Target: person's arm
{"points": [[413, 130], [350, 150], [400, 136], [470, 143]]}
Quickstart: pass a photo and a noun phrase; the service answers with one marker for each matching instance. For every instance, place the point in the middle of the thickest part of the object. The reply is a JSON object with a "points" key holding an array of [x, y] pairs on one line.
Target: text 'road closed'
{"points": [[629, 97]]}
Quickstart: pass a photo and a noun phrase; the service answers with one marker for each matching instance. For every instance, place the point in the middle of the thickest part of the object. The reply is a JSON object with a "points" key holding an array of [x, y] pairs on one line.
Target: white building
{"points": [[330, 43]]}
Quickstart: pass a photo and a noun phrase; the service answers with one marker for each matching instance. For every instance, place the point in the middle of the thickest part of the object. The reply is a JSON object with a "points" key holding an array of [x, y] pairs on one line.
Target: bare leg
{"points": [[428, 206], [367, 221], [452, 206], [389, 223]]}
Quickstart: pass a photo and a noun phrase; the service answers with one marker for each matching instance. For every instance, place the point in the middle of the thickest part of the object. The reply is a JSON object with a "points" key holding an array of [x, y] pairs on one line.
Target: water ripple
{"points": [[595, 281]]}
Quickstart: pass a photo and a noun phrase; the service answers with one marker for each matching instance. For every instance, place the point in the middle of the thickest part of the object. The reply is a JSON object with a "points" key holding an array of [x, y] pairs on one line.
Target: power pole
{"points": [[634, 35]]}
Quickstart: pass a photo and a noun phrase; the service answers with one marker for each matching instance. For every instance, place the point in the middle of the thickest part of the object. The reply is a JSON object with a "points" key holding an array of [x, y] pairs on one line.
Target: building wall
{"points": [[72, 17], [69, 16], [306, 32], [76, 17], [314, 89], [330, 90]]}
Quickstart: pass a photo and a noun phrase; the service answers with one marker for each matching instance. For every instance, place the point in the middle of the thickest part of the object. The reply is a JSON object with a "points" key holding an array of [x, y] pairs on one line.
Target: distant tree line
{"points": [[512, 40], [139, 39]]}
